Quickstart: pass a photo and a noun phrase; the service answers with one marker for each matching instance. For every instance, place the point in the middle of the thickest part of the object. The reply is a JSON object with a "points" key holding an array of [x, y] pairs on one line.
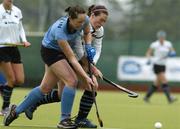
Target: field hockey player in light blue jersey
{"points": [[62, 65], [98, 16]]}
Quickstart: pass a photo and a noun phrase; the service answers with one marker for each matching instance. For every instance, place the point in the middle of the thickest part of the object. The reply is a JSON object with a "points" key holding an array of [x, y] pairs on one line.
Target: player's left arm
{"points": [[22, 32], [97, 43], [87, 35], [23, 35], [172, 52]]}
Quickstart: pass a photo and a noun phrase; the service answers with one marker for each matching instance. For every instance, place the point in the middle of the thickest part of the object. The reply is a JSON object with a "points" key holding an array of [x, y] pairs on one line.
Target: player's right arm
{"points": [[149, 53], [172, 52]]}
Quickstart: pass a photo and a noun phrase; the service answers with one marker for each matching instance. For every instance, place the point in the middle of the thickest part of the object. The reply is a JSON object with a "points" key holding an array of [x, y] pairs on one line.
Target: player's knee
{"points": [[73, 81], [11, 81], [19, 81], [45, 89]]}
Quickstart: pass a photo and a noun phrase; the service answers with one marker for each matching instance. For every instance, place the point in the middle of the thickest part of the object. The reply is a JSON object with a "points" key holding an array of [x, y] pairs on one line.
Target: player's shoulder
{"points": [[168, 42], [1, 8], [15, 8], [62, 21], [60, 25], [155, 42]]}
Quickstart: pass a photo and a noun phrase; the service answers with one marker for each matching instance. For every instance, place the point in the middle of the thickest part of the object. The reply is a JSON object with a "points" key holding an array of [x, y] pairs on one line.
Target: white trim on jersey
{"points": [[11, 28]]}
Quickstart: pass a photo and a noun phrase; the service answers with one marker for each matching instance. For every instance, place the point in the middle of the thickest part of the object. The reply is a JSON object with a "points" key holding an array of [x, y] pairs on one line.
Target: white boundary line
{"points": [[40, 126], [35, 126]]}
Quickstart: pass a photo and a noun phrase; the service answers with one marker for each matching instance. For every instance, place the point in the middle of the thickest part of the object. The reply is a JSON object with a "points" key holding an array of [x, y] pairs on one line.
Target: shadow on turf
{"points": [[37, 127], [29, 126]]}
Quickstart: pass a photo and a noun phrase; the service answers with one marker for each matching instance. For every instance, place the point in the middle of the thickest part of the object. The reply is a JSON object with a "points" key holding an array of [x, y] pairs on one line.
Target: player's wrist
{"points": [[172, 54]]}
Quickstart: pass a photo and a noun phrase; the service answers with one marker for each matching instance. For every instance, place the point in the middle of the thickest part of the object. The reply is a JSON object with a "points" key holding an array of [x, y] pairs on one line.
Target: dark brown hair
{"points": [[97, 10], [74, 11]]}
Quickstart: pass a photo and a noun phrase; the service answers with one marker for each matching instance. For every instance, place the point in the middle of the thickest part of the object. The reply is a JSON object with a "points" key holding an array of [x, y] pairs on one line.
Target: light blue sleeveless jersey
{"points": [[59, 31]]}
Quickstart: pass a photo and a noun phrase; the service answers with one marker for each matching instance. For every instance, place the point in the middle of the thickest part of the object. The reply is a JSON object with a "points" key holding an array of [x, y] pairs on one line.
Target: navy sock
{"points": [[86, 103], [2, 88], [49, 98], [6, 94], [151, 90], [166, 90], [33, 97], [67, 100]]}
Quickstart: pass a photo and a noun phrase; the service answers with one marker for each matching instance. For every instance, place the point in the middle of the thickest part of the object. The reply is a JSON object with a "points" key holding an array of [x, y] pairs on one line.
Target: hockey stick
{"points": [[12, 44], [94, 97], [130, 93]]}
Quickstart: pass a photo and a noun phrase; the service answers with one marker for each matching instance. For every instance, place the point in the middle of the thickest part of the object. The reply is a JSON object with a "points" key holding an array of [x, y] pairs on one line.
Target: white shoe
{"points": [[3, 112], [172, 99]]}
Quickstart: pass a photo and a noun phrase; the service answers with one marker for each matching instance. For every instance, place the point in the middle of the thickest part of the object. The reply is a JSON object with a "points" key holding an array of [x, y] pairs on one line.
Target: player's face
{"points": [[98, 21], [78, 22], [8, 2]]}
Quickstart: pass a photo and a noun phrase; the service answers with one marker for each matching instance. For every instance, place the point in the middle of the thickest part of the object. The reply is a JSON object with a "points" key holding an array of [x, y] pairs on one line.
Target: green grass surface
{"points": [[117, 111]]}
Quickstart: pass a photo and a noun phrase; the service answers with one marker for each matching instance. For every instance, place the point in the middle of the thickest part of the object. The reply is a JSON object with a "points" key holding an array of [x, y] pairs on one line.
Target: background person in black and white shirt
{"points": [[12, 32], [161, 50], [98, 15]]}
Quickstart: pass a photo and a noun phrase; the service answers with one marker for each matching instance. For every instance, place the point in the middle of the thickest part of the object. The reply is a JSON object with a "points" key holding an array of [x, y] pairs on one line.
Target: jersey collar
{"points": [[7, 11]]}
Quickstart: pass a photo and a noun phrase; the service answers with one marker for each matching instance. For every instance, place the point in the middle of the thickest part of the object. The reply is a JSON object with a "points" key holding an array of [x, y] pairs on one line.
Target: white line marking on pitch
{"points": [[40, 126]]}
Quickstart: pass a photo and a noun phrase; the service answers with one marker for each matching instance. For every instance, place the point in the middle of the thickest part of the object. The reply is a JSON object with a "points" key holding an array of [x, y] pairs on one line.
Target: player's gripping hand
{"points": [[91, 52], [27, 44], [89, 83], [96, 72], [172, 54]]}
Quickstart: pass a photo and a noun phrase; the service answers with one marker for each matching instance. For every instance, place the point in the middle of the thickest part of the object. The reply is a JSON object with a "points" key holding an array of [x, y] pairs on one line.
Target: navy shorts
{"points": [[159, 68], [51, 56], [10, 54]]}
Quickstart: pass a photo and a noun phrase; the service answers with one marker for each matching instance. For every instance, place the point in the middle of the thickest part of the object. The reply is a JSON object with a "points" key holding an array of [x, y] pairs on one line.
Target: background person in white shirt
{"points": [[161, 50], [11, 31]]}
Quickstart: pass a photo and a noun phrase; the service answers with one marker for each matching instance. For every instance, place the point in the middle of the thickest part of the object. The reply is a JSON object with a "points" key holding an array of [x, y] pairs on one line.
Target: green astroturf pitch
{"points": [[117, 110]]}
